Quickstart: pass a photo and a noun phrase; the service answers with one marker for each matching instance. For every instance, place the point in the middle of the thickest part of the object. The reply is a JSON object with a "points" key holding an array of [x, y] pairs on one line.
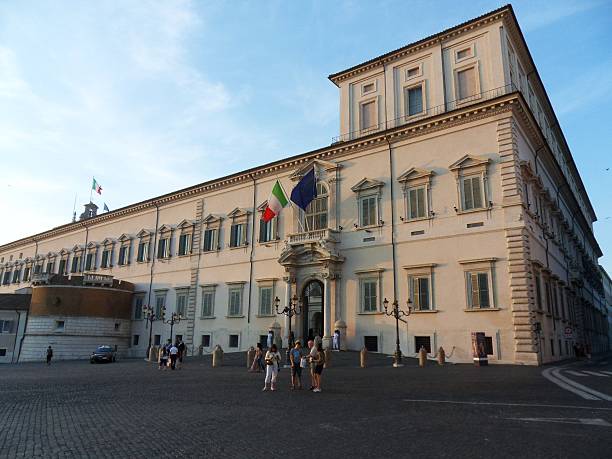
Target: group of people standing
{"points": [[313, 359], [170, 353]]}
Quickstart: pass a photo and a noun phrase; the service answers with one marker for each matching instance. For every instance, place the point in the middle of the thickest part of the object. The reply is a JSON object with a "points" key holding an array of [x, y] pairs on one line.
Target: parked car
{"points": [[103, 354]]}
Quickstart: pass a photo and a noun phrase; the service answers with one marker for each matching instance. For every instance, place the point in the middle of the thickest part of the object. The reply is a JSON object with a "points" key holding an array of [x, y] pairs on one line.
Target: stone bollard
{"points": [[250, 357], [328, 357], [422, 356], [217, 356], [363, 357], [441, 356]]}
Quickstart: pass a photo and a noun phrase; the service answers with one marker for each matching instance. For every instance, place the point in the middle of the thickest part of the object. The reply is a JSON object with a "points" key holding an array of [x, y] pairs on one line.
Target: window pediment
{"points": [[108, 241], [64, 252], [165, 228], [186, 224], [366, 184], [78, 248], [125, 237], [415, 175], [469, 162], [212, 220], [237, 213], [144, 233], [262, 206], [51, 255], [318, 164]]}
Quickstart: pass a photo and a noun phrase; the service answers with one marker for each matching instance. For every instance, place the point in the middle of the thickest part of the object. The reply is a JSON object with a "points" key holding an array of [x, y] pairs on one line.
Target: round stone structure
{"points": [[75, 314]]}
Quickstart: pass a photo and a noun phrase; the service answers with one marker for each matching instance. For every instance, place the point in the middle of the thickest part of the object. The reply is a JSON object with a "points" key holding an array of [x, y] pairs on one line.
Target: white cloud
{"points": [[542, 14]]}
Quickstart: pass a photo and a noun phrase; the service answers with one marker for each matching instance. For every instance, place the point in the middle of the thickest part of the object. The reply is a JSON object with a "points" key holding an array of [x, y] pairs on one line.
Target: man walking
{"points": [[49, 355], [181, 354], [173, 356], [311, 356]]}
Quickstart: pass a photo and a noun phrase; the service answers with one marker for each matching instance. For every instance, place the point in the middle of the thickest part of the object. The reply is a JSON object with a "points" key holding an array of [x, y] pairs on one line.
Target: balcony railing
{"points": [[432, 111], [327, 235]]}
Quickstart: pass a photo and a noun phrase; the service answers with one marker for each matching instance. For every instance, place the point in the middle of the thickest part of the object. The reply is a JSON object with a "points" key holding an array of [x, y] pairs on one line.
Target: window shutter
{"points": [[468, 202], [476, 192], [420, 192], [413, 203], [424, 293], [473, 289], [483, 288]]}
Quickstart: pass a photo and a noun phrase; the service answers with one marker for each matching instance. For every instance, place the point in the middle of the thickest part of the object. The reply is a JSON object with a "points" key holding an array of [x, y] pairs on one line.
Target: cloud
{"points": [[541, 15], [592, 87]]}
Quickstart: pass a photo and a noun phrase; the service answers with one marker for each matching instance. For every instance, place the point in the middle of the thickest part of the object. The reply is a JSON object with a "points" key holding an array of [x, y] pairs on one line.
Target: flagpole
{"points": [[91, 189]]}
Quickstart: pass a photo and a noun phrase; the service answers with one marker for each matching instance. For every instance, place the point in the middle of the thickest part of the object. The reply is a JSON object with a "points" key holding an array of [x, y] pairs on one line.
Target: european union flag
{"points": [[305, 191]]}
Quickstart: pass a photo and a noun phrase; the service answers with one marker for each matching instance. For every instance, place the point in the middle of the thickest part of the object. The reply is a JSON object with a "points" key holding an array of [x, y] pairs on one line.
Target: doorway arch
{"points": [[312, 304]]}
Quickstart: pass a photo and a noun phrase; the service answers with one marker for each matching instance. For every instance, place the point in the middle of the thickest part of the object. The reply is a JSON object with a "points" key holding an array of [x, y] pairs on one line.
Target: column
{"points": [[327, 318]]}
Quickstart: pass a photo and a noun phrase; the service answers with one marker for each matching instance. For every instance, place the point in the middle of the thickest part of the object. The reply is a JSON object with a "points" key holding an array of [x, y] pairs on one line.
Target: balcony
{"points": [[323, 235], [432, 111]]}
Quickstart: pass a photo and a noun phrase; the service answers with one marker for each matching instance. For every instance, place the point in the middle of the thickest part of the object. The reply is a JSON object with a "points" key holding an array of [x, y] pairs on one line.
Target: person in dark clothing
{"points": [[49, 355], [181, 349]]}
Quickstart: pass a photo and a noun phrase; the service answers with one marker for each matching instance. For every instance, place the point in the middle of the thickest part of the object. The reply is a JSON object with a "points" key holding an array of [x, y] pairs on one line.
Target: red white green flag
{"points": [[276, 202], [96, 186]]}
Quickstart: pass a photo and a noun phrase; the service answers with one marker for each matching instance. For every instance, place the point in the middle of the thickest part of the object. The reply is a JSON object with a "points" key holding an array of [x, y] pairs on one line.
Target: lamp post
{"points": [[396, 312], [150, 317], [174, 319], [292, 309]]}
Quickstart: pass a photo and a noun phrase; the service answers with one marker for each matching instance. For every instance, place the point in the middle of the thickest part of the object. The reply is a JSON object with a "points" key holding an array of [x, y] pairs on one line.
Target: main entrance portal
{"points": [[312, 315]]}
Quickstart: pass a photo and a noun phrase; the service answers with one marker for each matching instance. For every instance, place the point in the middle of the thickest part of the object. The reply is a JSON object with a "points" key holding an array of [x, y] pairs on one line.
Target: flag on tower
{"points": [[96, 186], [276, 202], [106, 209]]}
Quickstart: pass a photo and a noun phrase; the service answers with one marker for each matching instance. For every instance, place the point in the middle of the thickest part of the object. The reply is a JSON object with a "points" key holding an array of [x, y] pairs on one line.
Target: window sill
{"points": [[211, 251], [183, 255], [143, 262], [424, 311], [482, 309], [368, 227], [267, 243], [373, 313], [265, 315], [472, 211], [208, 317], [243, 246], [419, 219], [234, 317]]}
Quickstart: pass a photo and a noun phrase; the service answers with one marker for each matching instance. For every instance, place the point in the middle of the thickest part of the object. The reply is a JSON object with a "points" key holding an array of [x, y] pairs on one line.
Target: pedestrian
{"points": [[163, 357], [273, 358], [49, 355], [257, 365], [173, 356], [319, 361], [295, 357], [336, 341], [270, 339], [312, 352], [181, 349]]}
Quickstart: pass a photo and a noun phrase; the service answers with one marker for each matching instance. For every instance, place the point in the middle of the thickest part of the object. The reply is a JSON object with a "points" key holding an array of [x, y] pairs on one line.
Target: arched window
{"points": [[315, 217]]}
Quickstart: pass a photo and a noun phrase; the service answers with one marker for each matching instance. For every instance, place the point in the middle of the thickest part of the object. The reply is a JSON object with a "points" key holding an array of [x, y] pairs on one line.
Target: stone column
{"points": [[327, 319]]}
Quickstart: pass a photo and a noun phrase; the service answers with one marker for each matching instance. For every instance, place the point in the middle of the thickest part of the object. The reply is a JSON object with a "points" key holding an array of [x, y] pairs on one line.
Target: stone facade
{"points": [[451, 185]]}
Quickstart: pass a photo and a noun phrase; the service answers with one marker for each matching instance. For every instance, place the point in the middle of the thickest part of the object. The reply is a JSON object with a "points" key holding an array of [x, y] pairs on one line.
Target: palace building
{"points": [[451, 186]]}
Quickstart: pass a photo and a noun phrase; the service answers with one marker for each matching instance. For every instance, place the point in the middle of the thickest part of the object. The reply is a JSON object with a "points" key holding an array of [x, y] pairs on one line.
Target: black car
{"points": [[103, 354]]}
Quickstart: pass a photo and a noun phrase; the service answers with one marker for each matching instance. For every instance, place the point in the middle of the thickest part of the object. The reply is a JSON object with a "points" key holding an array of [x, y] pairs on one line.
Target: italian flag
{"points": [[96, 186], [276, 202]]}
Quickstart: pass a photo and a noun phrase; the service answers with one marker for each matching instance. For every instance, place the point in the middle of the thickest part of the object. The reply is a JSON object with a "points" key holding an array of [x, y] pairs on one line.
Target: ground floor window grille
{"points": [[422, 341], [371, 343], [233, 340], [205, 340]]}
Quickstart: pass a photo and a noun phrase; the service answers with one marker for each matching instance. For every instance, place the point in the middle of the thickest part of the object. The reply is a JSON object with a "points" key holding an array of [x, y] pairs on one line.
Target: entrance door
{"points": [[312, 315]]}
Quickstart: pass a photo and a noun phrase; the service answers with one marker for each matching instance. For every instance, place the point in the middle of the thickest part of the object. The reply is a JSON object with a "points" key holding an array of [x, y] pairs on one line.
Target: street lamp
{"points": [[292, 309], [150, 317], [174, 319], [397, 313]]}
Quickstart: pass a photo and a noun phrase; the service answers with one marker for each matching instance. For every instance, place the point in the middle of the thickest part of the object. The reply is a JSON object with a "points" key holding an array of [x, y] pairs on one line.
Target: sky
{"points": [[153, 96]]}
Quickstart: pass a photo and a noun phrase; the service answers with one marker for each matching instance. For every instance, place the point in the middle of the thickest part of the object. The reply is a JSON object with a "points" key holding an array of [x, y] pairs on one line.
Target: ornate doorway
{"points": [[312, 302]]}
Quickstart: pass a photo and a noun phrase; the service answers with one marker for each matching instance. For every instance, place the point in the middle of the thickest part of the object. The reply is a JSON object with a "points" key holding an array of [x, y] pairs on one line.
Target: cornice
{"points": [[336, 151], [468, 26]]}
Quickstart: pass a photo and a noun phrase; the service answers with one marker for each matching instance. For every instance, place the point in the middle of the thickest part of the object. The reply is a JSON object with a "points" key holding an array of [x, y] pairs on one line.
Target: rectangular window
{"points": [[538, 291], [2, 352], [265, 301], [160, 305], [163, 248], [89, 262], [369, 294], [105, 259], [123, 255], [205, 340], [368, 211], [368, 116], [181, 304], [135, 340], [414, 100], [157, 340], [62, 266], [16, 276], [233, 340], [237, 235], [371, 343], [6, 326], [368, 87], [184, 244], [489, 345], [235, 301], [50, 267], [471, 191], [208, 302], [464, 53], [37, 268], [466, 83], [59, 325], [76, 264], [143, 252], [478, 289], [548, 297], [138, 303], [210, 238], [26, 274], [266, 230], [419, 293], [422, 341], [416, 203], [413, 72]]}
